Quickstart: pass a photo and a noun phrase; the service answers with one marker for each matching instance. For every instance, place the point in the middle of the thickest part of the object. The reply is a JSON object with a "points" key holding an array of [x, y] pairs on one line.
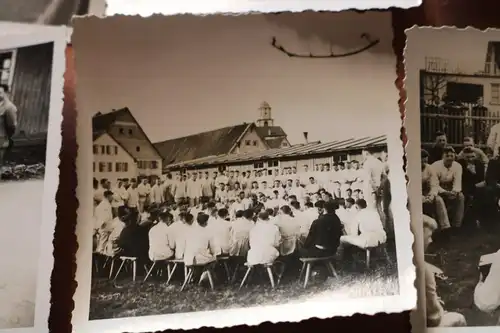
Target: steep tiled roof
{"points": [[101, 123], [211, 143], [266, 131], [274, 143], [300, 150]]}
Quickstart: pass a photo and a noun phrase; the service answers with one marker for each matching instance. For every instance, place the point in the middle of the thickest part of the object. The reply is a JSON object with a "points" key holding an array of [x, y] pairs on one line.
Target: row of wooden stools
{"points": [[274, 270]]}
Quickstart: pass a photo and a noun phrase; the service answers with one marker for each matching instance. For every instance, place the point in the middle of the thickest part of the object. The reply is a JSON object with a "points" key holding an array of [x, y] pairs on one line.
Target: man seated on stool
{"points": [[436, 315], [367, 221], [487, 292], [324, 236]]}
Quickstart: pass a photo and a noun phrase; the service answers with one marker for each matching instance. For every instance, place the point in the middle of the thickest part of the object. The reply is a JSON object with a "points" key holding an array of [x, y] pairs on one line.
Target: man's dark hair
{"points": [[4, 87], [238, 214], [361, 203], [331, 206]]}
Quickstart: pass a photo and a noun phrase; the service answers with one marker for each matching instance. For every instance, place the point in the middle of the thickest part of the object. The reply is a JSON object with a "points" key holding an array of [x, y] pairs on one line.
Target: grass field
{"points": [[153, 297], [458, 259]]}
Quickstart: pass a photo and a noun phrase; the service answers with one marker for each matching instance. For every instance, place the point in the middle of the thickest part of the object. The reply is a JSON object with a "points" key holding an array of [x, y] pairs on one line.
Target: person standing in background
{"points": [[8, 122]]}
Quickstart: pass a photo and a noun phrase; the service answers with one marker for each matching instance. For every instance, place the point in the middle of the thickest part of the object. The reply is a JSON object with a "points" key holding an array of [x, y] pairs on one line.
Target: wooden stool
{"points": [[267, 267], [124, 260], [382, 247], [224, 261], [307, 265], [206, 270]]}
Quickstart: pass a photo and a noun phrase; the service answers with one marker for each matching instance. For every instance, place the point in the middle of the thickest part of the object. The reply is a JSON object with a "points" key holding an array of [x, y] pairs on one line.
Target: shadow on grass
{"points": [[459, 259], [127, 299]]}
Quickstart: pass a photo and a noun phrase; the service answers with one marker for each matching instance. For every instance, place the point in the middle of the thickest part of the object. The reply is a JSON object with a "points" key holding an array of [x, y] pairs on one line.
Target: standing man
{"points": [[373, 169], [493, 141], [8, 122]]}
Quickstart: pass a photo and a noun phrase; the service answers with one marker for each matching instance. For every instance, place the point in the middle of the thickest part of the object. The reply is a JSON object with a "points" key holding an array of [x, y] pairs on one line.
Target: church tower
{"points": [[265, 116]]}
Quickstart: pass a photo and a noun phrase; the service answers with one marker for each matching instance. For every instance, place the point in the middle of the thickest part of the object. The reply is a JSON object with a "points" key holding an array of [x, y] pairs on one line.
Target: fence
{"points": [[457, 123]]}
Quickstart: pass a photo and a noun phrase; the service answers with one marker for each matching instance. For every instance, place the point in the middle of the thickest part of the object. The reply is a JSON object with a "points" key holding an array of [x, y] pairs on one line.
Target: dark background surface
{"points": [[461, 13]]}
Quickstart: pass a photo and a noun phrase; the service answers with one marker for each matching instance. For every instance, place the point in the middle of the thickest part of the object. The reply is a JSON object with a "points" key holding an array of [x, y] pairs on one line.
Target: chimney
{"points": [[305, 137]]}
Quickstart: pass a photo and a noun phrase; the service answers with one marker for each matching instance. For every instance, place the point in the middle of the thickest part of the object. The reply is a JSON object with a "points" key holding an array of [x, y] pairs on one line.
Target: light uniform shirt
{"points": [[373, 174], [133, 197], [430, 181], [194, 188], [371, 230], [103, 213], [487, 292], [264, 241], [289, 228], [143, 190], [160, 242], [450, 179], [157, 193], [200, 248], [221, 234], [239, 237], [494, 139], [312, 188]]}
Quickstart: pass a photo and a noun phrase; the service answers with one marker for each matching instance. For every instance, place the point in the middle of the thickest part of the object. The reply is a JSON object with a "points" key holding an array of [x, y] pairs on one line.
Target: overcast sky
{"points": [[464, 49], [185, 74]]}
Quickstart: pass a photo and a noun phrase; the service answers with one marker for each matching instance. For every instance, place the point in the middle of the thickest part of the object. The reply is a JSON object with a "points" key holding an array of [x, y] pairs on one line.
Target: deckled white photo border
{"points": [[313, 308], [57, 35], [412, 122], [172, 7]]}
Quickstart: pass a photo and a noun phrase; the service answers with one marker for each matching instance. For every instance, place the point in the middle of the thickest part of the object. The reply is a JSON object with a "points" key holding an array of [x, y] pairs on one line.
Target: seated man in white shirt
{"points": [[436, 315], [449, 174], [240, 232], [487, 291], [220, 228], [371, 231], [161, 239]]}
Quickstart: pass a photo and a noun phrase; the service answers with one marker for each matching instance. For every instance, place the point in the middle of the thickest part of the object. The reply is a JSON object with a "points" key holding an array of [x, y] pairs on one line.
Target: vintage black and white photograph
{"points": [[232, 170], [48, 12], [458, 96], [30, 117]]}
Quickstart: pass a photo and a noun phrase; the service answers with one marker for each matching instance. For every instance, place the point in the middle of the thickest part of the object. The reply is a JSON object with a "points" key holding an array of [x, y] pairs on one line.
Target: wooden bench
{"points": [[307, 265], [267, 267], [124, 260]]}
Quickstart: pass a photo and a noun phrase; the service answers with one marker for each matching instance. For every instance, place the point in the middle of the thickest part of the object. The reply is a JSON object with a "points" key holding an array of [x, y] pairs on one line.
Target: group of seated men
{"points": [[249, 228], [455, 185], [458, 187]]}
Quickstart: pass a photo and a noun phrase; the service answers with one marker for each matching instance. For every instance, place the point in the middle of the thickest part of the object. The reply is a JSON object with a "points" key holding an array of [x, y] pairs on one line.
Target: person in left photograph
{"points": [[31, 81], [50, 12]]}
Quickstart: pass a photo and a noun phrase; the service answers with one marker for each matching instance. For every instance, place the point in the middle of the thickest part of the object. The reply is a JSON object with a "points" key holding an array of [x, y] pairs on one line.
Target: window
{"points": [[495, 93], [96, 149], [130, 131], [254, 142], [103, 150], [116, 150], [93, 166], [7, 65], [248, 142], [108, 150], [258, 165], [125, 167], [102, 166], [110, 167], [271, 164], [154, 165], [284, 144], [120, 130], [137, 149]]}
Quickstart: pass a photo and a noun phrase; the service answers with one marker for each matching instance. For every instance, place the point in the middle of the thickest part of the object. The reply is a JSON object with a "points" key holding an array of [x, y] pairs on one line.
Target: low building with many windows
{"points": [[122, 149], [300, 155]]}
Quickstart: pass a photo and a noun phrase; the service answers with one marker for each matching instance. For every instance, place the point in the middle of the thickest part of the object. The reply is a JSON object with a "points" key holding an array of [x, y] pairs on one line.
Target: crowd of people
{"points": [[199, 217], [460, 191]]}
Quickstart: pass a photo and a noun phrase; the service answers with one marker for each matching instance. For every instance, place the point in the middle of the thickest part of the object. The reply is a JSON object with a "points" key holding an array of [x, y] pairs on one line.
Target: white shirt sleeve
{"points": [[487, 293]]}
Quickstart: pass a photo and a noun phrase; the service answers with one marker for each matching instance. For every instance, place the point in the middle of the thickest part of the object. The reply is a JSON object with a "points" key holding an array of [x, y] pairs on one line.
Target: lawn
{"points": [[124, 298], [458, 259]]}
